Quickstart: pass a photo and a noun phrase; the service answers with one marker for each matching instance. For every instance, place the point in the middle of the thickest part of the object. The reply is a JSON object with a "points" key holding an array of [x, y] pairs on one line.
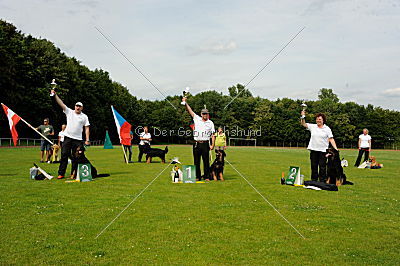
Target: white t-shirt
{"points": [[203, 130], [364, 140], [61, 134], [146, 136], [75, 124], [319, 140]]}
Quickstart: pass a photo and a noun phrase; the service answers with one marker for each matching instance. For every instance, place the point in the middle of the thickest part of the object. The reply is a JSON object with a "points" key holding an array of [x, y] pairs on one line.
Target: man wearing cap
{"points": [[203, 131], [47, 130], [76, 121]]}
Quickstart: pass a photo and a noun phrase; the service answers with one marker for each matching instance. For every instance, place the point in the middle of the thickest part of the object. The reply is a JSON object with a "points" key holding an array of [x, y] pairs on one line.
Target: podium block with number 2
{"points": [[84, 173], [293, 176], [189, 173]]}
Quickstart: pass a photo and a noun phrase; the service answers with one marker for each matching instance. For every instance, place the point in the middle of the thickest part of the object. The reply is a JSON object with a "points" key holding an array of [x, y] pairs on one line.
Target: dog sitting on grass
{"points": [[335, 172], [217, 167], [151, 152], [55, 151], [80, 158]]}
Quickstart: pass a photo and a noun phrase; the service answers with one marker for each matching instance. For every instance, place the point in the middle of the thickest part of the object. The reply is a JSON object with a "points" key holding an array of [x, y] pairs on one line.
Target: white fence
{"points": [[6, 142]]}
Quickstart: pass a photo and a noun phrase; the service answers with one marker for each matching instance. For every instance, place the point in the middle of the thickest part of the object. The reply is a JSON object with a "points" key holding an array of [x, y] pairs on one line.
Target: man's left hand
{"points": [[87, 143], [211, 147]]}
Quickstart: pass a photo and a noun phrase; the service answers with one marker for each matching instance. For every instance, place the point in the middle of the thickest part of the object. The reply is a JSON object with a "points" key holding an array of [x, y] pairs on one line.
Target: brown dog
{"points": [[217, 167], [55, 151]]}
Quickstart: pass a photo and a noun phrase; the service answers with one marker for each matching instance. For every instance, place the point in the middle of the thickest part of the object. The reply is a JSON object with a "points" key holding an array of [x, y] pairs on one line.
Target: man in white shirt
{"points": [[203, 131], [364, 146], [76, 121], [144, 144]]}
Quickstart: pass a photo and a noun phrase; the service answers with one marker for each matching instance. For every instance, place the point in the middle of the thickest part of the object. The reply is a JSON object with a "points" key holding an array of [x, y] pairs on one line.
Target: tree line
{"points": [[28, 64]]}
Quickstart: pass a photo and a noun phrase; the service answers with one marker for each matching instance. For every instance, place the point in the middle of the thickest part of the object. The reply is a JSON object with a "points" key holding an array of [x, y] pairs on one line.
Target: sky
{"points": [[352, 47]]}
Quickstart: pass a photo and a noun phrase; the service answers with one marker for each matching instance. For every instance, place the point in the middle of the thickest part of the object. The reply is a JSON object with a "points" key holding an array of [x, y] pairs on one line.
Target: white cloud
{"points": [[215, 48], [392, 92]]}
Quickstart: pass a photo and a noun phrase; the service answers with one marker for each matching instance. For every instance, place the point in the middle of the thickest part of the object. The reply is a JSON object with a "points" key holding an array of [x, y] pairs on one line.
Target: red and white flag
{"points": [[13, 119]]}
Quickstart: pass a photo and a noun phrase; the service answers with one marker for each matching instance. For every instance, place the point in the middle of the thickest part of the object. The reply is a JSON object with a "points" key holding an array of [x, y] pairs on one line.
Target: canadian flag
{"points": [[13, 119]]}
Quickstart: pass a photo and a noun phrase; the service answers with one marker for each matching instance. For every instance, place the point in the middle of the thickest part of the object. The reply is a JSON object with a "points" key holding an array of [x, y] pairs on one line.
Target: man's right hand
{"points": [[53, 92], [184, 99], [303, 112]]}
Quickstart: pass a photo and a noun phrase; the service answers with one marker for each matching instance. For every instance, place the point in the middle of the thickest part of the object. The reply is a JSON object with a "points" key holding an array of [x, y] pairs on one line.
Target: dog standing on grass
{"points": [[151, 152], [217, 167], [54, 156]]}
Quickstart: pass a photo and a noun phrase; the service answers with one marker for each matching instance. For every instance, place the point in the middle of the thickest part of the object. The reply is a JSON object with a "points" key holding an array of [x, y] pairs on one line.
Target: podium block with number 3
{"points": [[84, 173], [189, 173]]}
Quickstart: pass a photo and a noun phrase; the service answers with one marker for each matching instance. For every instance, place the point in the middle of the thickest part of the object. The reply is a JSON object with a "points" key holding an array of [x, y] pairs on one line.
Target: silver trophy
{"points": [[185, 93], [304, 106], [53, 86]]}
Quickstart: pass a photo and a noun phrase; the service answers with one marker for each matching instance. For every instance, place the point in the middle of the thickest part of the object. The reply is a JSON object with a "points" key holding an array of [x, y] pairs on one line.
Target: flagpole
{"points": [[122, 146], [43, 136], [29, 125], [126, 160]]}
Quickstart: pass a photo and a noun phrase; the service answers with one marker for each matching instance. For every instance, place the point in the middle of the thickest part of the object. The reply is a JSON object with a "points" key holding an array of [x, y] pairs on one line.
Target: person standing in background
{"points": [[45, 146], [127, 144], [144, 144], [364, 146], [61, 136]]}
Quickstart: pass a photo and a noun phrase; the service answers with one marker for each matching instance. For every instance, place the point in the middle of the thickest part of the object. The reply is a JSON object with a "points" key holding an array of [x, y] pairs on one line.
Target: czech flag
{"points": [[13, 119], [123, 128]]}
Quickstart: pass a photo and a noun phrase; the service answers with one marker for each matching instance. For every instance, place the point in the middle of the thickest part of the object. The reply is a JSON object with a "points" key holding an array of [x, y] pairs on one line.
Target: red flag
{"points": [[13, 119], [123, 128]]}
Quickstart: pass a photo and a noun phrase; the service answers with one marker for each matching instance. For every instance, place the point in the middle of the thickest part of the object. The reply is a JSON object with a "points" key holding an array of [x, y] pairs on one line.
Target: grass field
{"points": [[53, 222]]}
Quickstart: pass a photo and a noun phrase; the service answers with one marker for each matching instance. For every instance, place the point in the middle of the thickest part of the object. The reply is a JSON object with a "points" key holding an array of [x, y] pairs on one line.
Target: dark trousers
{"points": [[318, 160], [360, 153], [202, 150], [128, 149], [142, 149], [68, 150]]}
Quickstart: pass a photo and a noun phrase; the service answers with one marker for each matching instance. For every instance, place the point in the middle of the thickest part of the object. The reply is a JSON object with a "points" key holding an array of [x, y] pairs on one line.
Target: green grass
{"points": [[53, 222]]}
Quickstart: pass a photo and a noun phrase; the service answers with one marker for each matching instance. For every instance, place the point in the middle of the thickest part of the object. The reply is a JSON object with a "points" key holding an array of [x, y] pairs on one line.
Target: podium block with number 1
{"points": [[189, 173]]}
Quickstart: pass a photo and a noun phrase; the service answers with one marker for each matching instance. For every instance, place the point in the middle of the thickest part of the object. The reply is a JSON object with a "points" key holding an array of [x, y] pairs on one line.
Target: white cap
{"points": [[79, 104]]}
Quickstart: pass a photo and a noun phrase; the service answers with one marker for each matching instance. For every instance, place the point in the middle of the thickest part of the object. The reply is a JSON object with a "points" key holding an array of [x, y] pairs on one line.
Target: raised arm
{"points": [[59, 101], [303, 119], [190, 111]]}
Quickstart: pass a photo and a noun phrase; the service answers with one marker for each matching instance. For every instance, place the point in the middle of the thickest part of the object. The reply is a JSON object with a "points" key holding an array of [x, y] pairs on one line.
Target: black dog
{"points": [[335, 172], [80, 158], [150, 153], [217, 167]]}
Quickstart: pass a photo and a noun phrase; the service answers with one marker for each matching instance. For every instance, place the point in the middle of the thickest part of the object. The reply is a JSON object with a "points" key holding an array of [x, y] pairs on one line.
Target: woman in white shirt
{"points": [[321, 136], [364, 146], [144, 144]]}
